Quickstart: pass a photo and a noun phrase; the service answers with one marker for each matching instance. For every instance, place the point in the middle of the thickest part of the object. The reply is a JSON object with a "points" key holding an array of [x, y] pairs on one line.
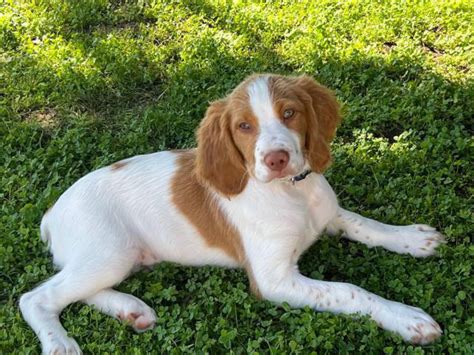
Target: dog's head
{"points": [[269, 127]]}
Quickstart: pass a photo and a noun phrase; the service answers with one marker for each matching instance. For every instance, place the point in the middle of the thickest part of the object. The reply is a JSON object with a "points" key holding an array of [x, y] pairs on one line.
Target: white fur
{"points": [[111, 221], [135, 200], [99, 230], [273, 134]]}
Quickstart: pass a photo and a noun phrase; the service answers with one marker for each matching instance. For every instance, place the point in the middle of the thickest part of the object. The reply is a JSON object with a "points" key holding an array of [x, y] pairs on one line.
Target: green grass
{"points": [[84, 85]]}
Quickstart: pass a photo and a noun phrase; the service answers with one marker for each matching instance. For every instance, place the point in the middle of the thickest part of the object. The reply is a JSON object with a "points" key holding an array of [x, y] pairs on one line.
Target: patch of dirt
{"points": [[47, 118]]}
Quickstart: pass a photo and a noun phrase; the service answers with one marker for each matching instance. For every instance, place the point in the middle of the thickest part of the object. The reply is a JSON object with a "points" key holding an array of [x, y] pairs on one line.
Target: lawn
{"points": [[84, 84]]}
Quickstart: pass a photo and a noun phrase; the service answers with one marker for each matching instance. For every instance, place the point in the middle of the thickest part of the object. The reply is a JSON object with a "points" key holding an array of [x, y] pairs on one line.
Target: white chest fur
{"points": [[282, 215]]}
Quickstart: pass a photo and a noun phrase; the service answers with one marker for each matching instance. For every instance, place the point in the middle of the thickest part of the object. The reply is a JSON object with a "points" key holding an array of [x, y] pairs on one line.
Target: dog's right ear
{"points": [[218, 161]]}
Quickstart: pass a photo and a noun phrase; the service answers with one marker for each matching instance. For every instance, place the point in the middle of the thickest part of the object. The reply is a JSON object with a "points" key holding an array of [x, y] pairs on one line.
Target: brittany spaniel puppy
{"points": [[251, 195]]}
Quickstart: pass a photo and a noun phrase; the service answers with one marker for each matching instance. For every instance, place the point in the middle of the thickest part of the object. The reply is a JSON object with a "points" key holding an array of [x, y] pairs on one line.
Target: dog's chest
{"points": [[296, 214]]}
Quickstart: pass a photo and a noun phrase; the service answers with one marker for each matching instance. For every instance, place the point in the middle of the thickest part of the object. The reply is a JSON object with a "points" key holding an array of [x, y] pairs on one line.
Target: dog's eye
{"points": [[288, 114], [244, 126]]}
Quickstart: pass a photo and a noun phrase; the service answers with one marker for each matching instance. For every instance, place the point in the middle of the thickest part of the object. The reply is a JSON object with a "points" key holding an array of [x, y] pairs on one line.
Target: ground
{"points": [[84, 84]]}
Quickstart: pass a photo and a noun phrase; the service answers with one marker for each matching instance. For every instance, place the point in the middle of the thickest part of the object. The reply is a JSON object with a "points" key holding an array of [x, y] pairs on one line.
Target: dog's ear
{"points": [[219, 162], [322, 120]]}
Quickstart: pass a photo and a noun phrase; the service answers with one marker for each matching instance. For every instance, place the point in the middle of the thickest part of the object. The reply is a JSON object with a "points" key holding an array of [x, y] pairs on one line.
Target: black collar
{"points": [[301, 176]]}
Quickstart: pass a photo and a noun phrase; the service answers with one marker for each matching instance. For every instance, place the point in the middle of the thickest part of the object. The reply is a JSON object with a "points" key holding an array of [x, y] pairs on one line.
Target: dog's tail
{"points": [[44, 230]]}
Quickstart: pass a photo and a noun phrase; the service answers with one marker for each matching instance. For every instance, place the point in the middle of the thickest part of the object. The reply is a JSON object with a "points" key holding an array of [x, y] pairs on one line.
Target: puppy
{"points": [[251, 195]]}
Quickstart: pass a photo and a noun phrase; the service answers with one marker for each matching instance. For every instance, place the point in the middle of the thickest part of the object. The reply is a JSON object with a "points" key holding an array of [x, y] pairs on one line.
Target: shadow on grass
{"points": [[387, 97], [125, 88]]}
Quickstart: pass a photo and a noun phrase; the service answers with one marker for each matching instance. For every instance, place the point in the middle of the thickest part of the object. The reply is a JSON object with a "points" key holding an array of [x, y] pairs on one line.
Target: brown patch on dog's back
{"points": [[118, 165], [196, 202]]}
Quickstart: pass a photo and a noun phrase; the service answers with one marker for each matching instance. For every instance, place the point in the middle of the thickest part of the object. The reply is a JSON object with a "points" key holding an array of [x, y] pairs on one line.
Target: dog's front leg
{"points": [[280, 283], [417, 239]]}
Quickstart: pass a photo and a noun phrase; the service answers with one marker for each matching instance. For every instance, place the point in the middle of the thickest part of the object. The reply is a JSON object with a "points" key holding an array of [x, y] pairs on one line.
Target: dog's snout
{"points": [[277, 161]]}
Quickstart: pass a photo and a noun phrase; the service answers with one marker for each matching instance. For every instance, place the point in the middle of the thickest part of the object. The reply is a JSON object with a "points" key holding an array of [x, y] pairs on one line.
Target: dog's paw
{"points": [[413, 324], [419, 240], [139, 315], [57, 344]]}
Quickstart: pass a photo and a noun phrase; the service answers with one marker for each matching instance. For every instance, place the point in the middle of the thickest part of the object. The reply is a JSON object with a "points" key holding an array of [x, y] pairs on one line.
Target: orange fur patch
{"points": [[219, 162], [323, 118], [118, 165], [195, 201]]}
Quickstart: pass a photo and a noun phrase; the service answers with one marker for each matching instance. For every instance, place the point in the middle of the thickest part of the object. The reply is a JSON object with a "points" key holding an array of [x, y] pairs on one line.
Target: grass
{"points": [[83, 84]]}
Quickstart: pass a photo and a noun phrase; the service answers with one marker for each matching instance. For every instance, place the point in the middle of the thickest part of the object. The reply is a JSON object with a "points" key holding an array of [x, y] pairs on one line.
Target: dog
{"points": [[251, 195]]}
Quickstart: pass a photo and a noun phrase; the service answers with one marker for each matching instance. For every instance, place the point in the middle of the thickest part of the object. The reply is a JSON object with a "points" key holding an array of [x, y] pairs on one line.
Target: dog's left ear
{"points": [[323, 118]]}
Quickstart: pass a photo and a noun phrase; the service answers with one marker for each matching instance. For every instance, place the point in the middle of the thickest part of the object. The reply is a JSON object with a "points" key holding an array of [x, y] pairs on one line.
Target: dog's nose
{"points": [[277, 161]]}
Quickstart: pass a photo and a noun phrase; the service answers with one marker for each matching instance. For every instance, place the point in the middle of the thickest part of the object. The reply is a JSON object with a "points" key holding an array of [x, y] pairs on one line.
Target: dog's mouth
{"points": [[285, 174], [265, 175]]}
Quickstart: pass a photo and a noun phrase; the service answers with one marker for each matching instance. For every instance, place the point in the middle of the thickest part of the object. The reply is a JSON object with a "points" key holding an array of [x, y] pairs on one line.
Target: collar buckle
{"points": [[301, 176]]}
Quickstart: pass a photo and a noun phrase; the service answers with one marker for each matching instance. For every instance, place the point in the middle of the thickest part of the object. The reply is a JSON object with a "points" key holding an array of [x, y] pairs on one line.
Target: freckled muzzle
{"points": [[278, 156]]}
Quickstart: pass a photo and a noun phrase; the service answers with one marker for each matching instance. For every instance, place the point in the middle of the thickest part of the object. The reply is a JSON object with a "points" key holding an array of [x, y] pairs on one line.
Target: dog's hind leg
{"points": [[82, 277], [124, 307]]}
